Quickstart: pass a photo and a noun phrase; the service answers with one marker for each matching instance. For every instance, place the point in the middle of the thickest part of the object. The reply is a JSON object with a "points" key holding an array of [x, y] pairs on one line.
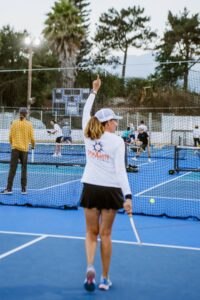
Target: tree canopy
{"points": [[181, 42], [120, 30]]}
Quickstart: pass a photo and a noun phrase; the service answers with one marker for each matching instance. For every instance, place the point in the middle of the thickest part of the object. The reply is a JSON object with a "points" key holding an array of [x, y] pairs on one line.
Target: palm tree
{"points": [[64, 31]]}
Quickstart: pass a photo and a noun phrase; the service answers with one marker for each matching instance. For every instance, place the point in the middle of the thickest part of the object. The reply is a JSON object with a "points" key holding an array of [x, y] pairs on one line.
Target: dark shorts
{"points": [[126, 139], [143, 146], [66, 139], [59, 139], [101, 197]]}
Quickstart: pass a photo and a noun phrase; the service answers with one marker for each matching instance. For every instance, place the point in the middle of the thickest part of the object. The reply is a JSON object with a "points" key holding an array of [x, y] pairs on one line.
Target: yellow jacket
{"points": [[21, 135]]}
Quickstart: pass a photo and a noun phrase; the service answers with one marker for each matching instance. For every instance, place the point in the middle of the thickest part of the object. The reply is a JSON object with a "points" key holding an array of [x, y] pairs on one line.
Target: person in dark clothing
{"points": [[142, 142]]}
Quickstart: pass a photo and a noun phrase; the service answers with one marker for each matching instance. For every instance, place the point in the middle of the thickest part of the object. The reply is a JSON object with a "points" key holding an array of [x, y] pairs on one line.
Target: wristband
{"points": [[129, 196], [93, 92]]}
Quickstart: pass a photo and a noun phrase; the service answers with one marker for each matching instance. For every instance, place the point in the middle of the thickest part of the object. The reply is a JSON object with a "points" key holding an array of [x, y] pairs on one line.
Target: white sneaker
{"points": [[134, 158], [89, 282], [149, 160], [54, 155], [59, 154], [105, 283]]}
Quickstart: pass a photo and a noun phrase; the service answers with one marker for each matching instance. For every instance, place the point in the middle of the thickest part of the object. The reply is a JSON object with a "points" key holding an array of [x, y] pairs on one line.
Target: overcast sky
{"points": [[30, 14]]}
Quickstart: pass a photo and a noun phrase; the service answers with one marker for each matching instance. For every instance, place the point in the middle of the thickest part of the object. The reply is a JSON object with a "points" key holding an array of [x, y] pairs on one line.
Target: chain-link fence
{"points": [[160, 122]]}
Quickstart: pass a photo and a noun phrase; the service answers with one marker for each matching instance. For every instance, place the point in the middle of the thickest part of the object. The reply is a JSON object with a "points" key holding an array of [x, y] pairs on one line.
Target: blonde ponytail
{"points": [[94, 129]]}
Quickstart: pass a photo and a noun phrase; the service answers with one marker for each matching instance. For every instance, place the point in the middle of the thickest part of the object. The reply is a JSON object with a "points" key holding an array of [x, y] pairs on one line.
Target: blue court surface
{"points": [[42, 257]]}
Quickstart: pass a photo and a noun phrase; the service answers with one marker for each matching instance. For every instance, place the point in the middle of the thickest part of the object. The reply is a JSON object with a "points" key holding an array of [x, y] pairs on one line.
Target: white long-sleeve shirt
{"points": [[105, 157], [57, 130], [196, 133]]}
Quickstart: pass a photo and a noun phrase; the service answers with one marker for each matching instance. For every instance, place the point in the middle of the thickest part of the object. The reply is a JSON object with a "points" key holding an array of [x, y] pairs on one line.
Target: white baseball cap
{"points": [[106, 114]]}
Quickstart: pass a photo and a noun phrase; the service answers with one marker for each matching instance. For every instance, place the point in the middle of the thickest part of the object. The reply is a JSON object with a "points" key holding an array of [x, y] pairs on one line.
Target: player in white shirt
{"points": [[105, 185], [142, 126], [59, 135]]}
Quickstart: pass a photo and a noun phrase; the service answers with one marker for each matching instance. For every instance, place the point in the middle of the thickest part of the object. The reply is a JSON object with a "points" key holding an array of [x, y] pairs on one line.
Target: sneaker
{"points": [[7, 192], [89, 282], [23, 191], [59, 154], [54, 155], [149, 159], [134, 158], [105, 283]]}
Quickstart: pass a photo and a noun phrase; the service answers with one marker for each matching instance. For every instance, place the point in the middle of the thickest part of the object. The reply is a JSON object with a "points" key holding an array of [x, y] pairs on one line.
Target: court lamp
{"points": [[31, 43]]}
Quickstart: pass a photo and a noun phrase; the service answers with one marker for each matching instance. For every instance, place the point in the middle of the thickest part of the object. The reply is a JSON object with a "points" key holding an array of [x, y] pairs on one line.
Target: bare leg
{"points": [[139, 152], [58, 149], [107, 219], [92, 231]]}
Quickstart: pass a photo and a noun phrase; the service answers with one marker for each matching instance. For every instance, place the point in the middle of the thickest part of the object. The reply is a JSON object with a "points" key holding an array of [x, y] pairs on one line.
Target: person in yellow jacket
{"points": [[20, 136]]}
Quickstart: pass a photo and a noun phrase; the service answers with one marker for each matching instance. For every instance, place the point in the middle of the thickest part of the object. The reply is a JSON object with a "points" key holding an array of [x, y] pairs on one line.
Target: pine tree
{"points": [[122, 30], [181, 42]]}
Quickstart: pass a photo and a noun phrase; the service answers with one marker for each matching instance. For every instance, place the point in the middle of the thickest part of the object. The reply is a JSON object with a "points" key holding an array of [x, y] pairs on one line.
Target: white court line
{"points": [[22, 247], [45, 173], [174, 198], [114, 241], [17, 189], [56, 185], [190, 180], [160, 184], [147, 163], [50, 187]]}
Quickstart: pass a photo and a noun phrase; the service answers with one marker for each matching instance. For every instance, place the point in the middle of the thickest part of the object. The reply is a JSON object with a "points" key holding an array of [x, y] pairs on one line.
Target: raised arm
{"points": [[89, 102]]}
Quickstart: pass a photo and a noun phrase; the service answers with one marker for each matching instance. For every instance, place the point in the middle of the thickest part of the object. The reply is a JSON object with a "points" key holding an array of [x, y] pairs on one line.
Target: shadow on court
{"points": [[54, 268]]}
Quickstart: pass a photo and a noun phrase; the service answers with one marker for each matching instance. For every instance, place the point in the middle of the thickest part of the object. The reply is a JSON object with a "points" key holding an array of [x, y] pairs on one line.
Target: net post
{"points": [[32, 155], [175, 158]]}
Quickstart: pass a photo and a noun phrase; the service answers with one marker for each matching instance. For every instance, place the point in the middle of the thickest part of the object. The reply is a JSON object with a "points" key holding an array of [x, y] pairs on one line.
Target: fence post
{"points": [[127, 119], [137, 120], [150, 122]]}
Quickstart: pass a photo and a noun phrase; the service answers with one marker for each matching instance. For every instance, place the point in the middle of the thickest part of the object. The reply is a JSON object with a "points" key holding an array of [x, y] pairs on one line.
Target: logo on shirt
{"points": [[98, 147], [97, 151]]}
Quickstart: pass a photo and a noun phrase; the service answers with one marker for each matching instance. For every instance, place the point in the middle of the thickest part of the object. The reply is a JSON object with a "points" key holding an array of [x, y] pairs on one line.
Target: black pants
{"points": [[17, 155]]}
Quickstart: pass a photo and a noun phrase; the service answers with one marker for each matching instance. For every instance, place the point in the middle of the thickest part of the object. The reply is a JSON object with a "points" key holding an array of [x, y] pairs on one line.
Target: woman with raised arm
{"points": [[105, 185]]}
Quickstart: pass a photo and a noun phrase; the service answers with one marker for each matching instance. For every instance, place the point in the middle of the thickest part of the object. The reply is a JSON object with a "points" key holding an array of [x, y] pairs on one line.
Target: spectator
{"points": [[66, 131], [196, 136], [128, 135], [21, 134]]}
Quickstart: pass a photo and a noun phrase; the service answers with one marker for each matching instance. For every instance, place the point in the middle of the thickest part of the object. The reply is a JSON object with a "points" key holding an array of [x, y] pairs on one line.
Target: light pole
{"points": [[30, 43]]}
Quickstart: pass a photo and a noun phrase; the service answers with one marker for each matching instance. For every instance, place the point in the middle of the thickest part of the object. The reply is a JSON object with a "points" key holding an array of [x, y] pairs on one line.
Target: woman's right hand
{"points": [[128, 206]]}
